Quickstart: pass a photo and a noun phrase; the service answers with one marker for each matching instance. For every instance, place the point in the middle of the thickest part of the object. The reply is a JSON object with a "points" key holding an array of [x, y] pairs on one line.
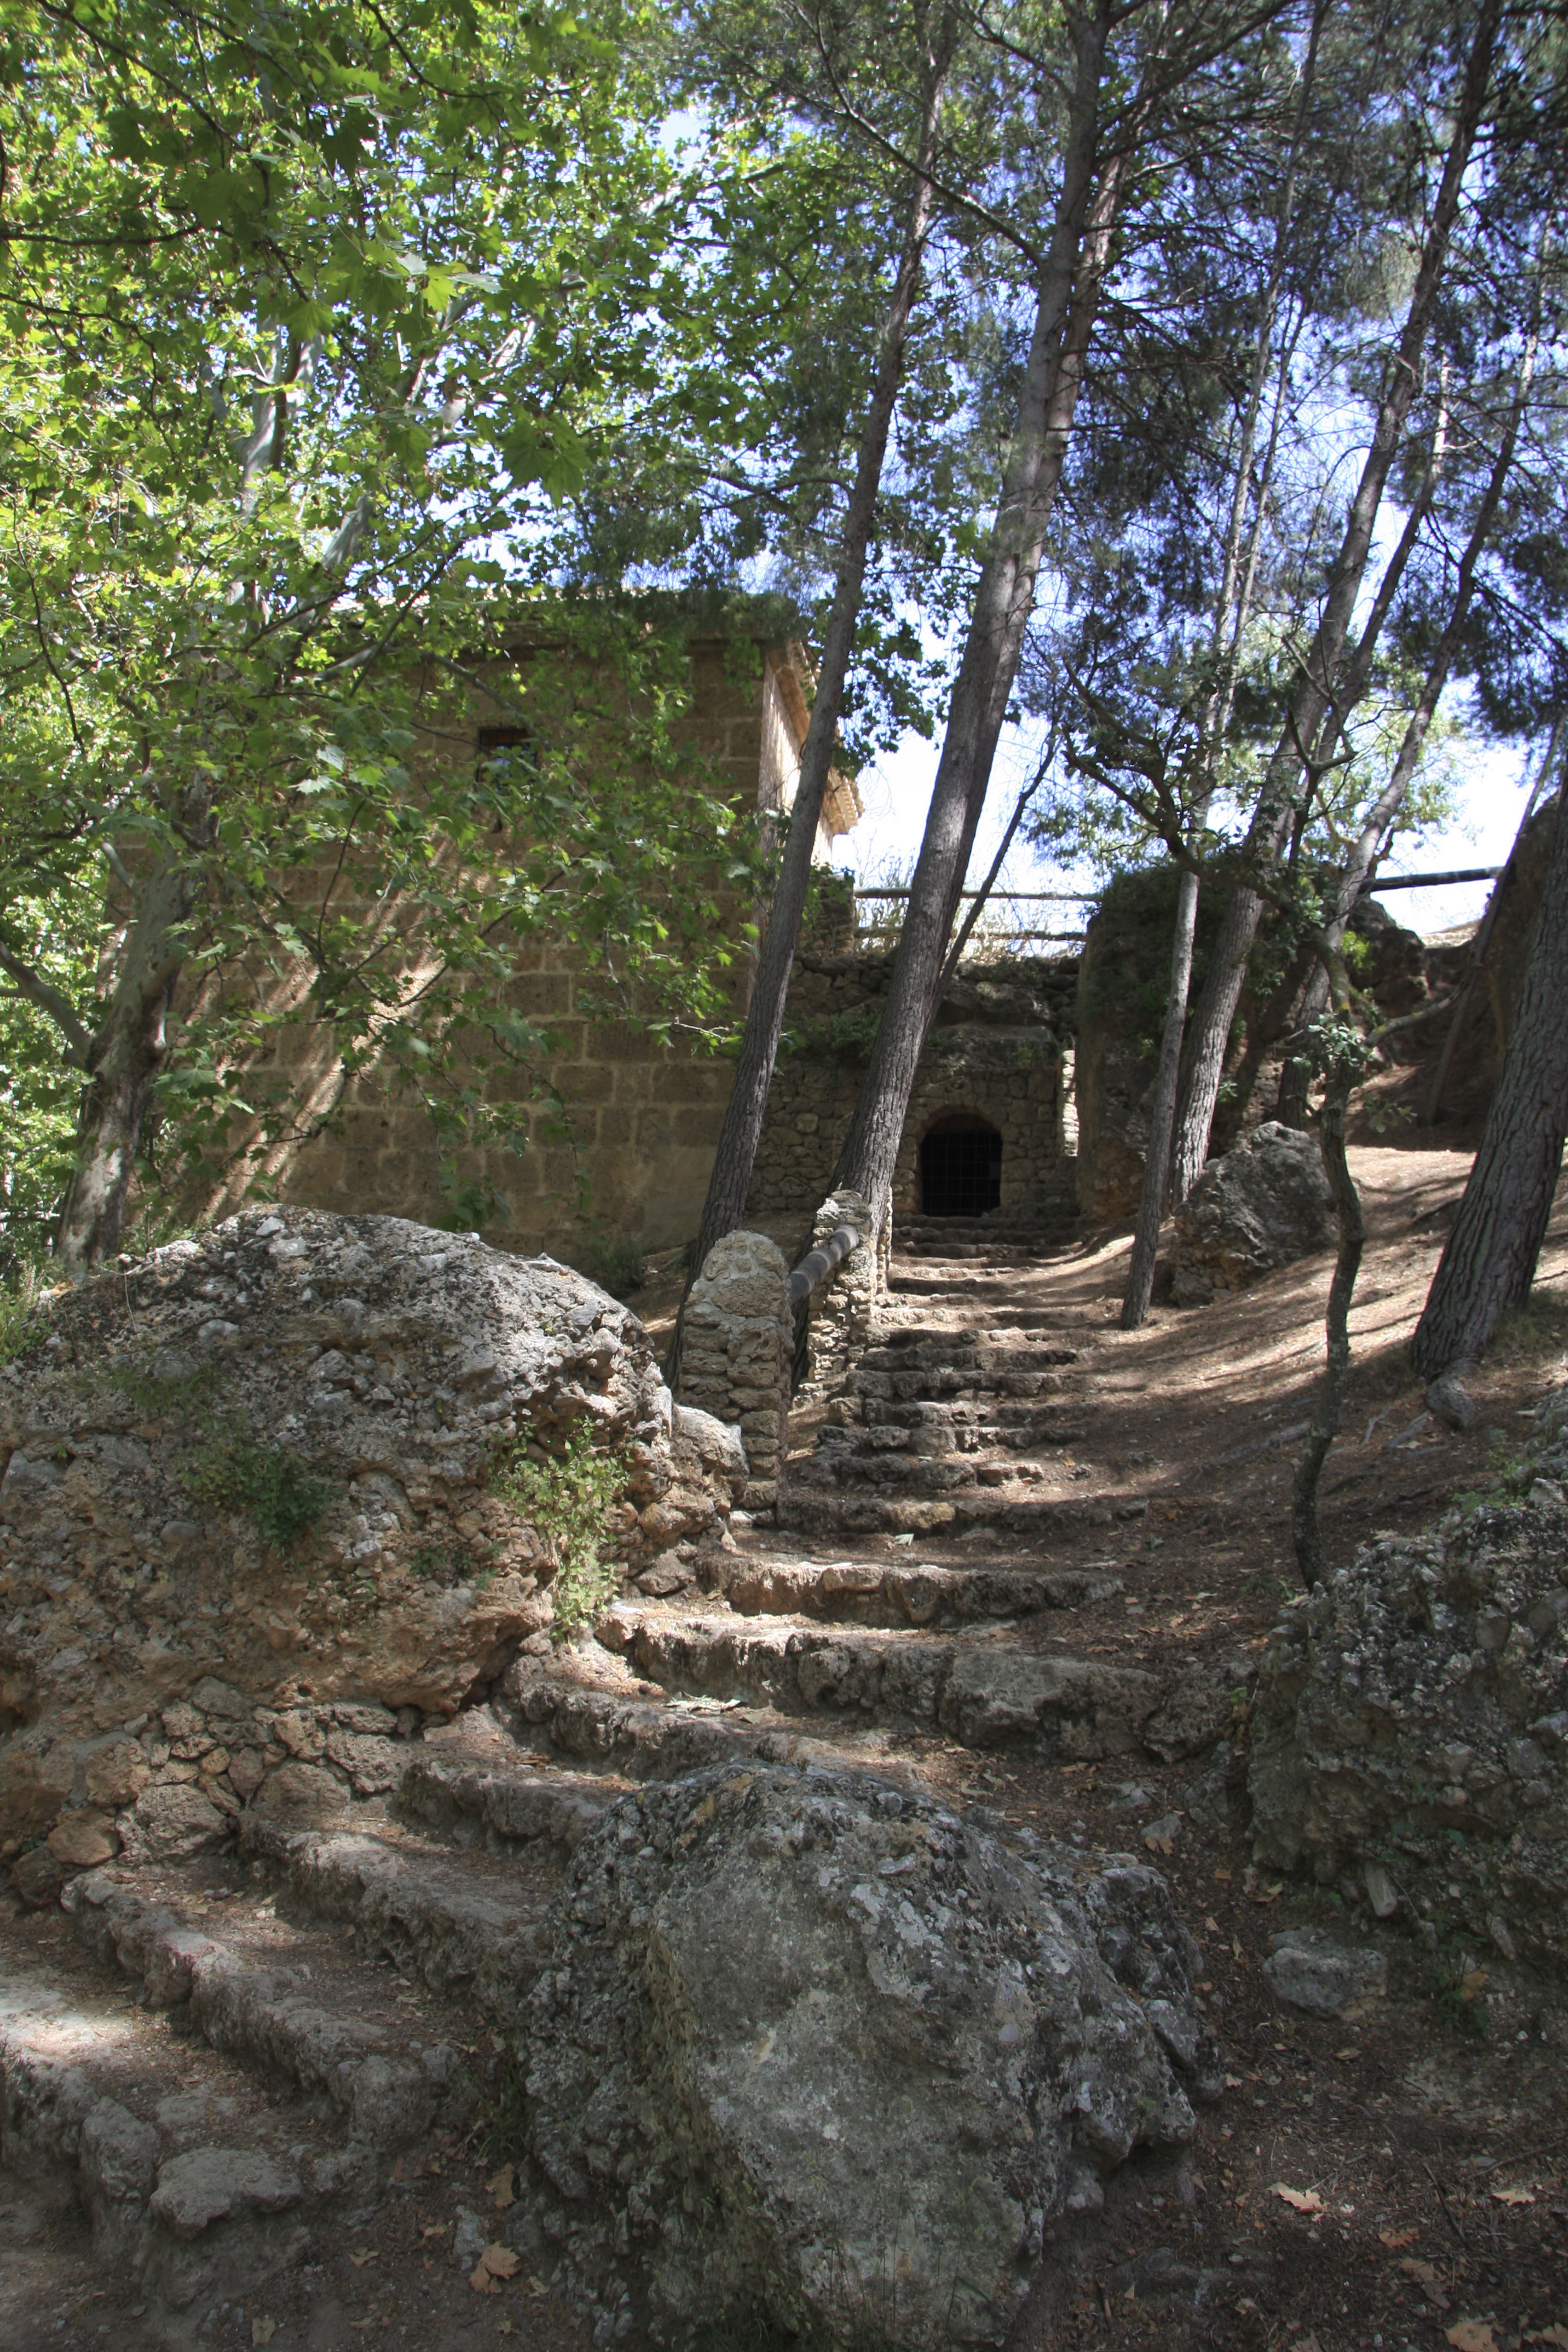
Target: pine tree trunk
{"points": [[1490, 1260], [1161, 1114], [1067, 301], [126, 1055], [729, 1181], [1315, 691]]}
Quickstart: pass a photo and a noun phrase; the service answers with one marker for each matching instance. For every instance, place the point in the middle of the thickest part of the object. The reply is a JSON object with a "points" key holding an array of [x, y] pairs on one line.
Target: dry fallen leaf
{"points": [[262, 2328], [1395, 2237], [1514, 2196], [1469, 1986], [1471, 2336], [500, 2262], [482, 2281], [1300, 2200], [1306, 2344], [501, 2191], [1417, 2270], [366, 2254], [1556, 2334]]}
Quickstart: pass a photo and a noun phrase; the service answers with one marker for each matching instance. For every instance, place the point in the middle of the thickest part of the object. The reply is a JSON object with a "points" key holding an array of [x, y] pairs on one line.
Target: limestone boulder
{"points": [[1410, 1738], [810, 2052], [1264, 1204], [270, 1463]]}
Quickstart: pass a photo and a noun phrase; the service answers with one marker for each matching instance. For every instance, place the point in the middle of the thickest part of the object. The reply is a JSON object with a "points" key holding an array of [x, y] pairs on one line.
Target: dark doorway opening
{"points": [[961, 1167]]}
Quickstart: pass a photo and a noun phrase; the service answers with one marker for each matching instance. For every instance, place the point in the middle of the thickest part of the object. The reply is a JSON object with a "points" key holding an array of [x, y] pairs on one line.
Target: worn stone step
{"points": [[193, 2185], [971, 1351], [963, 1415], [824, 1510], [620, 1732], [864, 1592], [909, 1474], [286, 2001], [464, 1924], [982, 1694]]}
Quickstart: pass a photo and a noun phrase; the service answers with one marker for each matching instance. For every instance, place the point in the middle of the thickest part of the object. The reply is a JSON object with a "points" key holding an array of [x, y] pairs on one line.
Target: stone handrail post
{"points": [[735, 1354]]}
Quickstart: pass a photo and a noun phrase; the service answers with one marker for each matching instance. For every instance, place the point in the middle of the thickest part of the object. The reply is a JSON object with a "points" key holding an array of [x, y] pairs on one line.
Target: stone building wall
{"points": [[995, 1051], [627, 1152]]}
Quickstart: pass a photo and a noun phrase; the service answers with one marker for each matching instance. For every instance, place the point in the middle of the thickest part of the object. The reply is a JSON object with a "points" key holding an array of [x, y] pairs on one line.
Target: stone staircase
{"points": [[259, 2066]]}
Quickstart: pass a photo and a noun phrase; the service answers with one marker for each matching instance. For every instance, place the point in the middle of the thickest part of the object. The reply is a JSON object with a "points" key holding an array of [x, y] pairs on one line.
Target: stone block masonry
{"points": [[735, 1354], [996, 1051], [841, 1312]]}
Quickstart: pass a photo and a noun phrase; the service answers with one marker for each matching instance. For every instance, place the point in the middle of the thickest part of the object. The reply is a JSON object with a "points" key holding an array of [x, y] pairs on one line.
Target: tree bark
{"points": [[1004, 595], [1304, 1528], [1232, 611], [1314, 694], [1490, 1260], [735, 1158], [124, 1059]]}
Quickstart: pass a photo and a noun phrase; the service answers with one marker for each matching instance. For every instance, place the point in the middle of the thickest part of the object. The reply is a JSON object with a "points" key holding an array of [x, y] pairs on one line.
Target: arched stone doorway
{"points": [[961, 1166]]}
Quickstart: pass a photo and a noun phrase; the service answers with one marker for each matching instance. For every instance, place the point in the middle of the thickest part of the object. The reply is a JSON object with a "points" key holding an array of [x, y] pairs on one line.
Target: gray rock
{"points": [[718, 1444], [302, 1795], [1408, 1739], [1452, 1402], [36, 1877], [808, 2050], [1311, 1970], [1075, 1706], [220, 2184], [1201, 1711], [171, 1824], [119, 2160], [1263, 1205]]}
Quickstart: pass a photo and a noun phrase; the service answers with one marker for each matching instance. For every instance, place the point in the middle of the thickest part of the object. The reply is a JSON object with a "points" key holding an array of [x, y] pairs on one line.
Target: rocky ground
{"points": [[334, 2010]]}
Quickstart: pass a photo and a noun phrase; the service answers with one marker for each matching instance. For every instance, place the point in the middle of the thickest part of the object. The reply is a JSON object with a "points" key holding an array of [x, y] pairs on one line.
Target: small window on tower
{"points": [[499, 754]]}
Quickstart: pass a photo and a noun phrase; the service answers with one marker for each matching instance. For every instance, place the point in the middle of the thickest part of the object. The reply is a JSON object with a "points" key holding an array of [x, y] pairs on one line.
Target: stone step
{"points": [[864, 1592], [983, 1694], [617, 1731], [286, 2001], [463, 1924], [825, 1512], [191, 2184], [938, 1425]]}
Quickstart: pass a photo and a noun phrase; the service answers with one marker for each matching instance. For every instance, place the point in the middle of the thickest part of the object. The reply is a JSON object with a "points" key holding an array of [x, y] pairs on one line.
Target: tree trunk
{"points": [[125, 1057], [1490, 1260], [1004, 595], [1295, 1080], [1304, 1525], [1314, 694], [735, 1158]]}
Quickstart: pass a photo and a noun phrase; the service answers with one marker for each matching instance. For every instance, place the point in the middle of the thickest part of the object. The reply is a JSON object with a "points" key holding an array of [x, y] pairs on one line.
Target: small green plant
{"points": [[18, 1298], [1459, 1987], [568, 1501], [470, 1206], [282, 1496], [1264, 1587], [181, 1397]]}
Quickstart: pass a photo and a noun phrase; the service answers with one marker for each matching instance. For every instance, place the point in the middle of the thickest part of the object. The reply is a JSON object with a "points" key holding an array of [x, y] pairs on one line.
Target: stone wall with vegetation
{"points": [[269, 1499], [625, 1153]]}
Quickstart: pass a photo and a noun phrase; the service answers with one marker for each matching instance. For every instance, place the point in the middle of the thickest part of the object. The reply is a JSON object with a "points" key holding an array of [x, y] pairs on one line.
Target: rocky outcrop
{"points": [[807, 2051], [1410, 1741], [247, 1525], [1263, 1205]]}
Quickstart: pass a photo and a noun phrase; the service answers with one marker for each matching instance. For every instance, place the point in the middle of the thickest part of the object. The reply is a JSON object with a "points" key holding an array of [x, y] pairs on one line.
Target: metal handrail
{"points": [[818, 1264]]}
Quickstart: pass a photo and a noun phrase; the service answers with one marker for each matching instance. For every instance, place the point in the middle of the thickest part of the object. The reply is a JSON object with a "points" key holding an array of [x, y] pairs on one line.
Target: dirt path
{"points": [[1425, 2150]]}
